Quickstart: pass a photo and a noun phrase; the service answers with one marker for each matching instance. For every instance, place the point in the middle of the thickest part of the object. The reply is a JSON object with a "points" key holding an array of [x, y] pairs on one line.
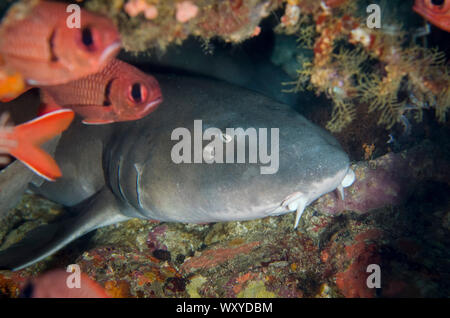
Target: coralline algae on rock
{"points": [[267, 258], [156, 24]]}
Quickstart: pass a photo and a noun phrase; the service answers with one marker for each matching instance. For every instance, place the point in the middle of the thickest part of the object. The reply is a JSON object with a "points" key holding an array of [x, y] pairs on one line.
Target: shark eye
{"points": [[137, 93], [438, 6]]}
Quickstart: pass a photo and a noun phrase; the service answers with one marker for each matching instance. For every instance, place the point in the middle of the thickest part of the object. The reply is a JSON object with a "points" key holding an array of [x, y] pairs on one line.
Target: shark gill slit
{"points": [[138, 196], [118, 179]]}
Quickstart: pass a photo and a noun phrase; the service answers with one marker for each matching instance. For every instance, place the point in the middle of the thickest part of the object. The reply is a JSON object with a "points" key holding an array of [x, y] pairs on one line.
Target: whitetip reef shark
{"points": [[115, 172]]}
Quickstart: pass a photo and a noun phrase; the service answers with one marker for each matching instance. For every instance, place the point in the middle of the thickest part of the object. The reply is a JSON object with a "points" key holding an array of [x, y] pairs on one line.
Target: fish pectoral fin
{"points": [[32, 134], [100, 210]]}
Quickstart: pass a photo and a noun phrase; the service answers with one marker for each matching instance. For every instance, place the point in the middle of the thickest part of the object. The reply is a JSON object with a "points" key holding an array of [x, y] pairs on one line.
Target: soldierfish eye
{"points": [[137, 93], [437, 2], [437, 5], [27, 291], [88, 38]]}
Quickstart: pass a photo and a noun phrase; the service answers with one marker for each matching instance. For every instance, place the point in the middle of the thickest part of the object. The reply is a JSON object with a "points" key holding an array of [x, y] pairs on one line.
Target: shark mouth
{"points": [[298, 201]]}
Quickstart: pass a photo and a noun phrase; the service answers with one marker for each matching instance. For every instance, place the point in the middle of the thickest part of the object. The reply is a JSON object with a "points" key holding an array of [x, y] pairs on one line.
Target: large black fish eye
{"points": [[437, 2], [87, 38], [27, 291], [136, 92]]}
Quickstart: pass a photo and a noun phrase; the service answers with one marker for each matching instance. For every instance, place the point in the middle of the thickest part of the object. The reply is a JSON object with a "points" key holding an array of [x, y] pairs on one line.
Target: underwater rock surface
{"points": [[397, 215], [326, 257]]}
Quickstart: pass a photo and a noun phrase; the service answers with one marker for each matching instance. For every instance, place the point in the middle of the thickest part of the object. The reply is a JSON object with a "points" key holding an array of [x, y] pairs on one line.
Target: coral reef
{"points": [[32, 212], [147, 24], [396, 215], [327, 256], [378, 67], [389, 180]]}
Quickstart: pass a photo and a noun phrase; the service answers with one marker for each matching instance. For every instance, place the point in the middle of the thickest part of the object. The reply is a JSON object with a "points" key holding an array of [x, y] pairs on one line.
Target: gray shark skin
{"points": [[116, 172]]}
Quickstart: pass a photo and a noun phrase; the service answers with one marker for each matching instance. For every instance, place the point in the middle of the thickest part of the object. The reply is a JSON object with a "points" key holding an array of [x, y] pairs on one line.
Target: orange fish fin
{"points": [[11, 87], [30, 135], [37, 160], [45, 127]]}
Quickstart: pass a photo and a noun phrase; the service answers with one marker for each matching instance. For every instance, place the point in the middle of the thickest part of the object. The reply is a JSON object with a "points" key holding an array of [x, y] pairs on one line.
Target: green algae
{"points": [[194, 285], [256, 289]]}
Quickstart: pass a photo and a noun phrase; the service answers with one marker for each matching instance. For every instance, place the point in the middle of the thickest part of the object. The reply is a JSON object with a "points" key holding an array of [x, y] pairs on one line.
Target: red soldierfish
{"points": [[54, 284], [437, 12], [23, 141], [37, 43], [119, 92]]}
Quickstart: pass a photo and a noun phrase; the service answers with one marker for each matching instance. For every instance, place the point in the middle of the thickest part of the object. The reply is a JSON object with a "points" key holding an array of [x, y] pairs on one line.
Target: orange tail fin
{"points": [[30, 135]]}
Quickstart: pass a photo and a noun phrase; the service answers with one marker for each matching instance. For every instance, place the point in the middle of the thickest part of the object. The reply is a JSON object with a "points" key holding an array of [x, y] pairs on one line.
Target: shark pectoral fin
{"points": [[300, 208], [35, 246], [100, 210]]}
